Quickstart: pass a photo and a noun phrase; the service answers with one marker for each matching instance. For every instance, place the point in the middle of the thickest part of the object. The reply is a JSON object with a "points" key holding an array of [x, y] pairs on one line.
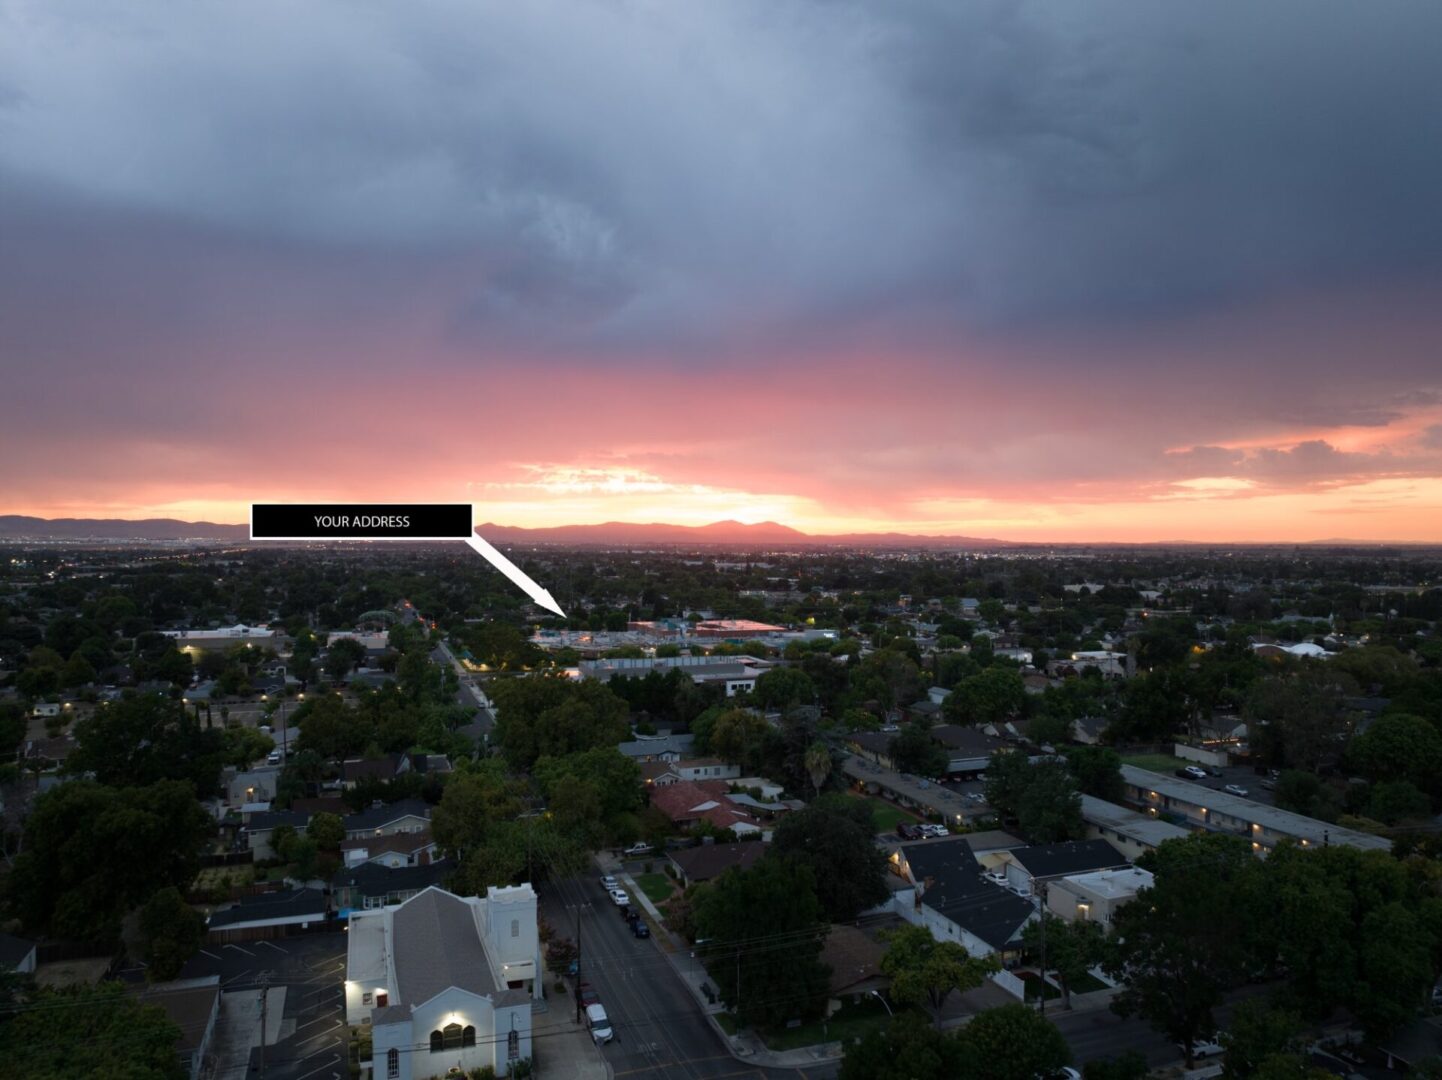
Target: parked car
{"points": [[599, 1023], [1269, 784], [640, 929], [620, 897], [586, 994], [907, 831], [637, 848], [1235, 789], [1193, 772], [936, 830], [1204, 1047], [610, 884]]}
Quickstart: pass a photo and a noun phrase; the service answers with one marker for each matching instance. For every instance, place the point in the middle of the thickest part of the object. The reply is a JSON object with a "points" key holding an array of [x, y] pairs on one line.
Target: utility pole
{"points": [[1043, 949], [264, 986], [578, 963]]}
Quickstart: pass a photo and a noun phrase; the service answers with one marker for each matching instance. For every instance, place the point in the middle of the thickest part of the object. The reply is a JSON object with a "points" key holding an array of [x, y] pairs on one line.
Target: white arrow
{"points": [[515, 573]]}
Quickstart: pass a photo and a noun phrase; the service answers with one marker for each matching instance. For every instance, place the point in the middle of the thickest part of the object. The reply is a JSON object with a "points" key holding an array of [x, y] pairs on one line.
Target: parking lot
{"points": [[1242, 776], [302, 979]]}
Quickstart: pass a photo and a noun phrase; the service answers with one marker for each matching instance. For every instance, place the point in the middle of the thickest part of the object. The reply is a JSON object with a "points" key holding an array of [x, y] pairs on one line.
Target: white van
{"points": [[599, 1025]]}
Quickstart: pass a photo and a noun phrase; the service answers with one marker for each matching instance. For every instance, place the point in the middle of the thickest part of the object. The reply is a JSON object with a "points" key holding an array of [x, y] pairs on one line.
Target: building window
{"points": [[383, 998], [438, 1042], [393, 1064], [468, 1036], [366, 998], [515, 928], [453, 1034]]}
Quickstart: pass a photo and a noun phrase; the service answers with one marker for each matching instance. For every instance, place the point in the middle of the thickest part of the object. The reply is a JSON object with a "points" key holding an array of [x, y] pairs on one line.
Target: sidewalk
{"points": [[745, 1046]]}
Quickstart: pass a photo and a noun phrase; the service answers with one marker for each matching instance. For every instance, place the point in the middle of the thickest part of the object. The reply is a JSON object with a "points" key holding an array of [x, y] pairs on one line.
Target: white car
{"points": [[1235, 789], [1205, 1047], [599, 1023], [609, 883], [638, 848], [620, 898], [1196, 772]]}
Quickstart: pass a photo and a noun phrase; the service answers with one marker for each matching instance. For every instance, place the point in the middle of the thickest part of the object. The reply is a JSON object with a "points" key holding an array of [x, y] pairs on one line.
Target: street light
{"points": [[877, 995]]}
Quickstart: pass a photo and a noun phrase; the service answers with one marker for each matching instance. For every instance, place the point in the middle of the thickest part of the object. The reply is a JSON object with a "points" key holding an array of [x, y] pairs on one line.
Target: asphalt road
{"points": [[661, 1033]]}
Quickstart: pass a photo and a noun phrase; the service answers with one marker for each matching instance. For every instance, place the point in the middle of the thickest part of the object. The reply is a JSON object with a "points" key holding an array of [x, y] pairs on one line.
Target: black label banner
{"points": [[360, 521]]}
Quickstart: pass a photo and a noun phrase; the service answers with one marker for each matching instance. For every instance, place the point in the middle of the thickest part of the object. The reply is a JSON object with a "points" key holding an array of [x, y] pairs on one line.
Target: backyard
{"points": [[884, 816]]}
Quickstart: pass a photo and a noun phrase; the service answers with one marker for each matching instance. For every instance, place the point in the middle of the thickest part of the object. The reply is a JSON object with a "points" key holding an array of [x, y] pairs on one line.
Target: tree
{"points": [[553, 716], [833, 836], [906, 1048], [991, 696], [475, 799], [94, 853], [327, 830], [172, 931], [1399, 747], [144, 738], [106, 1032], [13, 726], [784, 688], [1397, 800], [926, 971], [1072, 949], [1173, 956], [342, 657], [915, 751], [615, 778], [737, 735], [1257, 1031], [767, 970], [1098, 772], [1305, 793], [1011, 1042], [1300, 718], [245, 745], [1131, 1065], [1040, 796], [818, 764]]}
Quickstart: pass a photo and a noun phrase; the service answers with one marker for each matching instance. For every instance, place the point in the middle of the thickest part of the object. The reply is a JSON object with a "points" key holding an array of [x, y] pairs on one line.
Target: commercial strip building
{"points": [[1129, 831], [738, 674]]}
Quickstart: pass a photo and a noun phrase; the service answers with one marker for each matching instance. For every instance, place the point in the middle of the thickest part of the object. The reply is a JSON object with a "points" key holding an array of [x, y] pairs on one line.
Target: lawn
{"points": [[1035, 986], [850, 1021], [1086, 984], [656, 886], [1159, 763], [885, 817]]}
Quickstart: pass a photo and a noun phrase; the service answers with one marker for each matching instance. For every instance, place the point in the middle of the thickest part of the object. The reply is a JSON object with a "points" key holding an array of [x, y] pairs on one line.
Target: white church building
{"points": [[445, 982]]}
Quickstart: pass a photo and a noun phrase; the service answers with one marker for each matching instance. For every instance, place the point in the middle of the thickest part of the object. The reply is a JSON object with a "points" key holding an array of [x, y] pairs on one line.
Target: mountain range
{"points": [[20, 527]]}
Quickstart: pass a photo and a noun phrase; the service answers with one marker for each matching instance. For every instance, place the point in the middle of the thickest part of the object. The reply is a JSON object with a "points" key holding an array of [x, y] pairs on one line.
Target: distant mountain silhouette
{"points": [[734, 533], [19, 527]]}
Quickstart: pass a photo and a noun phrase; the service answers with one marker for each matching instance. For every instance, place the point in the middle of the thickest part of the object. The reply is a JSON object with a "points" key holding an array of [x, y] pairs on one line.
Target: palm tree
{"points": [[818, 764]]}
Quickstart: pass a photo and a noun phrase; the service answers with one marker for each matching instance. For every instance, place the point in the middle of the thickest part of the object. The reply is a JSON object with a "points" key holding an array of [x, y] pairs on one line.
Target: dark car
{"points": [[640, 929], [625, 910], [907, 832], [587, 994]]}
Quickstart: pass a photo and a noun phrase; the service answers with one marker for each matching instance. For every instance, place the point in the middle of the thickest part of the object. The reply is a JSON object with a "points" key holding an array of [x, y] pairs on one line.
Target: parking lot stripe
{"points": [[212, 955], [277, 948], [237, 948]]}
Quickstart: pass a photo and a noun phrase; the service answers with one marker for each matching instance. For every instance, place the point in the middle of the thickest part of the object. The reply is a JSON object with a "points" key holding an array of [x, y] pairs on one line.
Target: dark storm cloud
{"points": [[645, 172]]}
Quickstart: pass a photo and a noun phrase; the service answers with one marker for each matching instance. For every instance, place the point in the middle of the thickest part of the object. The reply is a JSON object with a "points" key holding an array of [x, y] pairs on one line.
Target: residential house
{"points": [[390, 849], [855, 963], [872, 745], [17, 954], [1030, 869], [955, 901], [372, 885], [688, 803], [260, 826], [406, 815], [1087, 730], [445, 982], [192, 1005], [969, 750], [708, 861], [250, 785], [268, 915], [1095, 897], [661, 773], [658, 747]]}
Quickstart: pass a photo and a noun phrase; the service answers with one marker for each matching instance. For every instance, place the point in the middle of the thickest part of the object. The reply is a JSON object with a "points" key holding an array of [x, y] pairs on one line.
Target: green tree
{"points": [[833, 837], [1393, 801], [343, 657], [991, 696], [1131, 1065], [552, 716], [1258, 1030], [818, 764], [1011, 1042], [906, 1048], [784, 688], [1172, 955], [913, 750], [327, 830], [1041, 797], [92, 854], [1399, 748], [769, 970], [1300, 717], [246, 745], [1072, 949], [106, 1032], [475, 800], [1098, 772], [925, 971], [737, 735], [172, 931], [144, 738]]}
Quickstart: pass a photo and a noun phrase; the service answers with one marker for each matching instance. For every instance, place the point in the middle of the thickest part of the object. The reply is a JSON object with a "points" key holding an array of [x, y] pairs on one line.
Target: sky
{"points": [[1036, 271]]}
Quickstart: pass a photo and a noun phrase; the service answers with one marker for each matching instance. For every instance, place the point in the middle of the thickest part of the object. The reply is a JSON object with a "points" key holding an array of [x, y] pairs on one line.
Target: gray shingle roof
{"points": [[437, 944]]}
